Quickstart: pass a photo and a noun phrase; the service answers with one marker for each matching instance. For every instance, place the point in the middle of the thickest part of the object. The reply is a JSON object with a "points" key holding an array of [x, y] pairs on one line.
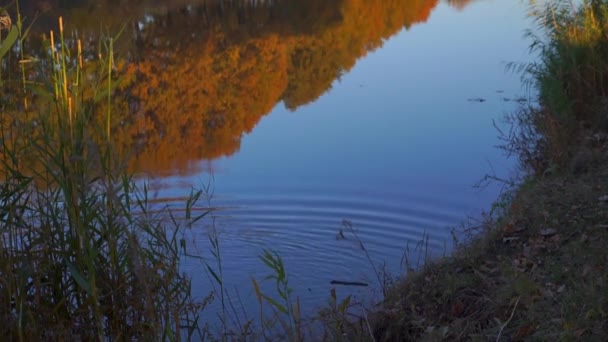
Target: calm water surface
{"points": [[303, 114]]}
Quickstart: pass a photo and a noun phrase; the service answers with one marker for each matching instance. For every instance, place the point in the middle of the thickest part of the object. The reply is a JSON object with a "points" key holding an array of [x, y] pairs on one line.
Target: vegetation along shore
{"points": [[537, 267], [86, 255]]}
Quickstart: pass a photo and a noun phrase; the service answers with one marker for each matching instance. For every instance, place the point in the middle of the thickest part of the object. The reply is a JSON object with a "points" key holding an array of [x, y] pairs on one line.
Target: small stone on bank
{"points": [[603, 199]]}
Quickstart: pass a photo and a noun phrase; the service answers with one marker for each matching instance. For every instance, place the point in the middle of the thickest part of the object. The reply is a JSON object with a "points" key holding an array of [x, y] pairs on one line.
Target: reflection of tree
{"points": [[202, 105], [459, 4], [198, 94], [316, 61], [203, 75]]}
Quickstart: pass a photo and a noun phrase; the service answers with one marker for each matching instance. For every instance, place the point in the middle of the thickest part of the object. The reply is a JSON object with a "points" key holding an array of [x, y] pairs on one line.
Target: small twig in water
{"points": [[509, 320], [348, 283]]}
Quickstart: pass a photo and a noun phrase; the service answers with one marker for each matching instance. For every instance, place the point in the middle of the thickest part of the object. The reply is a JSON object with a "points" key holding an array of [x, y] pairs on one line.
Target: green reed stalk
{"points": [[110, 65], [285, 306], [219, 275], [21, 40], [1, 57]]}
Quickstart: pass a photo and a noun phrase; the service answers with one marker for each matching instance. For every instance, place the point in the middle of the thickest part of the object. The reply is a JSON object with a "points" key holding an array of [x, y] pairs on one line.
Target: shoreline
{"points": [[538, 269]]}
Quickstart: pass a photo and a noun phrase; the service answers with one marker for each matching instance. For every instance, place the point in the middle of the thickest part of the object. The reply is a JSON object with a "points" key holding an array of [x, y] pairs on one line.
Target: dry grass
{"points": [[82, 254], [539, 274]]}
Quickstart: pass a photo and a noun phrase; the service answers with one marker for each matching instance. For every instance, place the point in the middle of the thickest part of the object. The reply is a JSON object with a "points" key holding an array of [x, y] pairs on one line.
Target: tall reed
{"points": [[571, 76], [82, 254], [572, 73]]}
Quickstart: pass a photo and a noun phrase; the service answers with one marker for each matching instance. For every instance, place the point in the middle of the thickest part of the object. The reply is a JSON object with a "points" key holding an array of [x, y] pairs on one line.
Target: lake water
{"points": [[302, 114]]}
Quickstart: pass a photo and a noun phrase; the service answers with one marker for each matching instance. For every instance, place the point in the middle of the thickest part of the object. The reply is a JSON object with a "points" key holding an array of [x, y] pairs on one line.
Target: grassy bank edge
{"points": [[538, 269], [537, 273]]}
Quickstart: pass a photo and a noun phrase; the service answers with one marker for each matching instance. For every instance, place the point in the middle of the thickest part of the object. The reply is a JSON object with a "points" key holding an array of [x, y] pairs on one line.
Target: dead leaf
{"points": [[555, 238], [512, 228], [548, 231], [524, 331], [457, 309], [586, 270], [546, 214], [527, 251], [579, 333], [489, 269], [435, 333]]}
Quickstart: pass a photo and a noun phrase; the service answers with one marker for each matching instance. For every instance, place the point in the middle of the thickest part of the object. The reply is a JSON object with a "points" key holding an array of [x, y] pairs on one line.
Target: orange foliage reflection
{"points": [[206, 76], [199, 77]]}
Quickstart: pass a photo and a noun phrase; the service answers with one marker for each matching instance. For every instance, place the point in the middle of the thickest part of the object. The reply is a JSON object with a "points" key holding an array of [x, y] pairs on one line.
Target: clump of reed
{"points": [[571, 76], [83, 256]]}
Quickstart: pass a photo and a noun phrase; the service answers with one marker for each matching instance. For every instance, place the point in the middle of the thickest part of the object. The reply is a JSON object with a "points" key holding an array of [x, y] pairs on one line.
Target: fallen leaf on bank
{"points": [[524, 331], [527, 251], [513, 228], [579, 333], [435, 333], [547, 231], [419, 322], [538, 243], [555, 238], [489, 269], [546, 214], [457, 309], [586, 270], [523, 264]]}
